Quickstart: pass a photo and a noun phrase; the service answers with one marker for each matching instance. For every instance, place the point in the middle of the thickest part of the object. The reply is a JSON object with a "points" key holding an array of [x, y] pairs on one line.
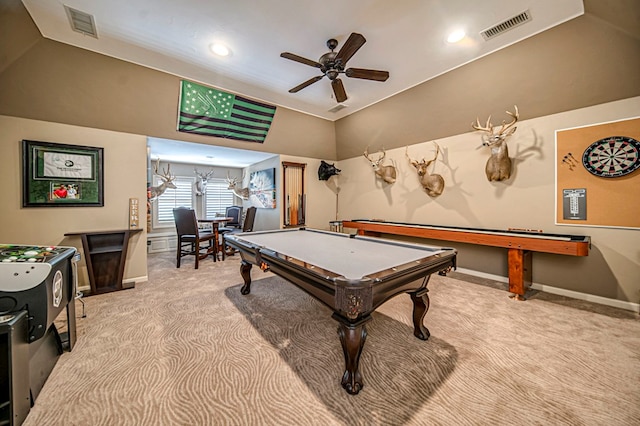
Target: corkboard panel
{"points": [[610, 202]]}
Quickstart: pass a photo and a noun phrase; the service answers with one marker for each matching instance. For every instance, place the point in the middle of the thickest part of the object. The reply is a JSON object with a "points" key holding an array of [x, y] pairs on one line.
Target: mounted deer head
{"points": [[498, 166], [200, 185], [432, 183], [386, 173], [167, 181], [235, 187]]}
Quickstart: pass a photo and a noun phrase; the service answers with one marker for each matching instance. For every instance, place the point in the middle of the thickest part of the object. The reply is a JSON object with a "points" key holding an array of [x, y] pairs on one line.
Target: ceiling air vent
{"points": [[507, 25], [82, 22], [338, 107]]}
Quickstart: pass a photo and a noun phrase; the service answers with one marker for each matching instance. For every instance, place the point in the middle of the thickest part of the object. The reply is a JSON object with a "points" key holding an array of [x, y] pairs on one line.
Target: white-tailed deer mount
{"points": [[499, 164], [386, 173], [432, 183], [200, 185], [167, 181], [235, 187]]}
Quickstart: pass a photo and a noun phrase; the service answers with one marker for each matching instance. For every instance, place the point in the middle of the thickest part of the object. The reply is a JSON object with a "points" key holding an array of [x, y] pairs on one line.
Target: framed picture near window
{"points": [[60, 175], [262, 189]]}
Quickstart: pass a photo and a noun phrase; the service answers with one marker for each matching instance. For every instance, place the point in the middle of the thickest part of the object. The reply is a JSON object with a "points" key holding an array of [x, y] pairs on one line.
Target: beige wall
{"points": [[526, 200], [320, 198], [584, 63], [321, 195], [580, 63], [266, 218], [45, 80], [125, 157]]}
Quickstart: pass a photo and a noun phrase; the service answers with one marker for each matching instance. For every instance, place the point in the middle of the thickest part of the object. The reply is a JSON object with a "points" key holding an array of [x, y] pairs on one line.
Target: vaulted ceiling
{"points": [[407, 38]]}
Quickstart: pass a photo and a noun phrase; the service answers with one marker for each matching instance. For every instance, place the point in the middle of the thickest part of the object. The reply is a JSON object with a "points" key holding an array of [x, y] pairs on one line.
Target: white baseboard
{"points": [[161, 242], [141, 279], [144, 278], [628, 306]]}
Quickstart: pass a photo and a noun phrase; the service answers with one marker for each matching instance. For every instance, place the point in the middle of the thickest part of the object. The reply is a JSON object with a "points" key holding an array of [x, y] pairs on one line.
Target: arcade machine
{"points": [[36, 284]]}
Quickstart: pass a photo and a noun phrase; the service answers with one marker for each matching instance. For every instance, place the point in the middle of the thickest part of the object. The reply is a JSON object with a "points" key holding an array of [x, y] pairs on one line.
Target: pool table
{"points": [[351, 274]]}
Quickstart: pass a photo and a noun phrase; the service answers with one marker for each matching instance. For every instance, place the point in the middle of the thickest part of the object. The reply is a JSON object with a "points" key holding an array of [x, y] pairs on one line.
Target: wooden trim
{"points": [[533, 242], [520, 245]]}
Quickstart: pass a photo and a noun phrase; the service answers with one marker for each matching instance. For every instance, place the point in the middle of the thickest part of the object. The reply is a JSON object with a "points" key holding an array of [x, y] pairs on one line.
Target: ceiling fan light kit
{"points": [[332, 64]]}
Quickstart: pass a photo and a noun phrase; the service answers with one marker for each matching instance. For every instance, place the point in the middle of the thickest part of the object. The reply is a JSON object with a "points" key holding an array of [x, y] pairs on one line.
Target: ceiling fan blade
{"points": [[338, 90], [306, 83], [300, 59], [350, 47], [367, 74]]}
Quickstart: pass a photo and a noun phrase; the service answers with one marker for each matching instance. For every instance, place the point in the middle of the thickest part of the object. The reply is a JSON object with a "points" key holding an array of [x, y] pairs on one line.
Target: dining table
{"points": [[215, 225]]}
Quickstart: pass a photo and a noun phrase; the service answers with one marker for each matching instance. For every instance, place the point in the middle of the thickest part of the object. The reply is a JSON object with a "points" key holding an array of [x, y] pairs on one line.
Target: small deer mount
{"points": [[386, 173], [432, 183], [200, 185], [498, 166], [236, 187], [167, 181]]}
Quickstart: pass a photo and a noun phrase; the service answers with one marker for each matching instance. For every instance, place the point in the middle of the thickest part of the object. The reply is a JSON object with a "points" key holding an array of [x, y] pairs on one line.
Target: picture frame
{"points": [[62, 175], [262, 189]]}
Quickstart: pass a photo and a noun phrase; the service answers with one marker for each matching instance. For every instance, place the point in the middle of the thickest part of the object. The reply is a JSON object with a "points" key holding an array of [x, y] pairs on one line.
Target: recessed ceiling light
{"points": [[456, 36], [219, 49]]}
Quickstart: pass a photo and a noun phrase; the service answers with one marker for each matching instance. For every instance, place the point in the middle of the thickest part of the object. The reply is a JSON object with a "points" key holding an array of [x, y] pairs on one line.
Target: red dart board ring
{"points": [[612, 157]]}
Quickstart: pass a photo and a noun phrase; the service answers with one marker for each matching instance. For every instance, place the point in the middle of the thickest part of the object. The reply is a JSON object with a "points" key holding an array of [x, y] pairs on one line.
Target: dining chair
{"points": [[247, 226], [236, 213], [230, 226], [190, 238]]}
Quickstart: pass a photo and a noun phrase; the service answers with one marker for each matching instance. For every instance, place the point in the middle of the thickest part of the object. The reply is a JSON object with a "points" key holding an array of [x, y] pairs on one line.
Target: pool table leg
{"points": [[420, 307], [245, 271], [352, 337]]}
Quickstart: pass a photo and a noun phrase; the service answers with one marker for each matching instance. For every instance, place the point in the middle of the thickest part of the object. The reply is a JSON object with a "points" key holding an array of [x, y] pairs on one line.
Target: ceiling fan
{"points": [[333, 64]]}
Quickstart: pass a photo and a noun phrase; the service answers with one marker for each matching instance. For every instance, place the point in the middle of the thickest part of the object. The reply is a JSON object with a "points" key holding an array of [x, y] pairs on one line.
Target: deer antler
{"points": [[437, 150], [204, 176], [505, 129], [487, 128], [166, 174], [366, 154], [412, 161], [505, 126]]}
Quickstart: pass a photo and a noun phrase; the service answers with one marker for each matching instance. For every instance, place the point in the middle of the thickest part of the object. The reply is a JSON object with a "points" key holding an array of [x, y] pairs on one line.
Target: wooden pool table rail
{"points": [[520, 245]]}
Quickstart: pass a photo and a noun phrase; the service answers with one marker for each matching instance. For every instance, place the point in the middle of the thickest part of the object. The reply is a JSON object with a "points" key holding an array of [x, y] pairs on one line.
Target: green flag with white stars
{"points": [[211, 112]]}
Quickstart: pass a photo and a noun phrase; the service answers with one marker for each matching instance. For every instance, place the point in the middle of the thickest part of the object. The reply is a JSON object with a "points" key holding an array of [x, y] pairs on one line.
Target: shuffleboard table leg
{"points": [[245, 271], [420, 300], [352, 337], [519, 272]]}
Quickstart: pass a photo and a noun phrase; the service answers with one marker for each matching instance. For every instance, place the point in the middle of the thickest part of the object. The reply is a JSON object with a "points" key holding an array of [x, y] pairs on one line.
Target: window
{"points": [[217, 198], [182, 196]]}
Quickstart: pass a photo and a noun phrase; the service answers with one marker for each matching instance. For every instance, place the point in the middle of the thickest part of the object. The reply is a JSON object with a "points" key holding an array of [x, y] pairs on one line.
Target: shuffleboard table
{"points": [[350, 274], [519, 244]]}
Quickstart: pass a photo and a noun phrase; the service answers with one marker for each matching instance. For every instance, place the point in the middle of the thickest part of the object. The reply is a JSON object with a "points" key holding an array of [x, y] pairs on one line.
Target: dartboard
{"points": [[612, 157]]}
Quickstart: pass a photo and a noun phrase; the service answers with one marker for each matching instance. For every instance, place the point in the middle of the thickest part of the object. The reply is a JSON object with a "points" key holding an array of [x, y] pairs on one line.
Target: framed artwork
{"points": [[262, 189], [60, 175]]}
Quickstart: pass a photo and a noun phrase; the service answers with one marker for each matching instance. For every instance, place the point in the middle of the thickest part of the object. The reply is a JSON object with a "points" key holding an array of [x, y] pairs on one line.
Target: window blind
{"points": [[217, 198], [181, 196]]}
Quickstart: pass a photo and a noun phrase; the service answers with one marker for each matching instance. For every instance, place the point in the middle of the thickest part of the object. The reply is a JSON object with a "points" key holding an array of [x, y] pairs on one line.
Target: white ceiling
{"points": [[405, 37], [196, 153]]}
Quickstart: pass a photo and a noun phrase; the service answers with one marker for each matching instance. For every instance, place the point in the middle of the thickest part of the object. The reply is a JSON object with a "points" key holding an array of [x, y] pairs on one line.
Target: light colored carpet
{"points": [[186, 348]]}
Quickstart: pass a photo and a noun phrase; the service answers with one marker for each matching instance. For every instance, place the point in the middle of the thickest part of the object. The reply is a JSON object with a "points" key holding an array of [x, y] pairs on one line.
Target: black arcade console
{"points": [[36, 284]]}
